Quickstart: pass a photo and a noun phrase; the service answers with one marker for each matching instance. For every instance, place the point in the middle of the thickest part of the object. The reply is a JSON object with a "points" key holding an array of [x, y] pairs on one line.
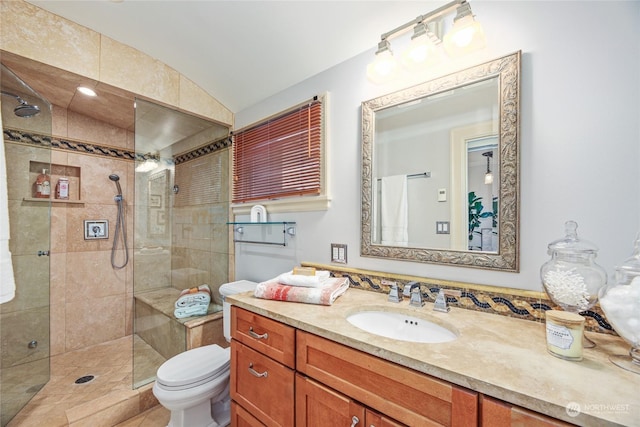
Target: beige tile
{"points": [[18, 330], [194, 99], [94, 320], [90, 275], [31, 273], [34, 33], [59, 122], [125, 67], [84, 128], [58, 230], [95, 182], [58, 327]]}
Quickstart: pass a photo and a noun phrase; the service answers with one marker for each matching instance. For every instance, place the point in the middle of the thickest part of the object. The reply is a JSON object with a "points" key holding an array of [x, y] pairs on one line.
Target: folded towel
{"points": [[201, 294], [305, 281], [196, 309], [324, 295]]}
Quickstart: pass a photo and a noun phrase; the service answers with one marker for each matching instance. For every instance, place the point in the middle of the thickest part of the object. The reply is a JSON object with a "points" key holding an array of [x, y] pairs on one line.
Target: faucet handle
{"points": [[394, 294], [416, 296], [441, 300], [409, 287]]}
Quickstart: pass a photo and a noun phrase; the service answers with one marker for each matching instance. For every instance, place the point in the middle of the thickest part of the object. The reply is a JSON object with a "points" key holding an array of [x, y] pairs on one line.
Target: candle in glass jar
{"points": [[564, 334]]}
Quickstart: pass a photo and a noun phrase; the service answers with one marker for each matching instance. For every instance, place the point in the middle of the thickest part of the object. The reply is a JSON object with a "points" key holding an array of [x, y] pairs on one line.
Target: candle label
{"points": [[559, 336]]}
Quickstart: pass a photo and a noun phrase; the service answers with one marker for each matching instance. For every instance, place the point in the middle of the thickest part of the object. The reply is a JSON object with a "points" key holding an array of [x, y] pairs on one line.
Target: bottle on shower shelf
{"points": [[43, 185]]}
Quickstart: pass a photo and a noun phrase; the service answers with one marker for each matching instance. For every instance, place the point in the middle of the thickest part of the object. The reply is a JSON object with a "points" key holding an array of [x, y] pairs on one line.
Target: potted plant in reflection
{"points": [[476, 215]]}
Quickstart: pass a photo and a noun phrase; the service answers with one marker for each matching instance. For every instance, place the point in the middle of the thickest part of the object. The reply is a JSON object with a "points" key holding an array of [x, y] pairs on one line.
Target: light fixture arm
{"points": [[423, 18]]}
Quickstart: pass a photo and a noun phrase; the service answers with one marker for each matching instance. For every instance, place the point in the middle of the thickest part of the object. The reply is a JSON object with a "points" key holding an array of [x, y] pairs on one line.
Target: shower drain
{"points": [[84, 379]]}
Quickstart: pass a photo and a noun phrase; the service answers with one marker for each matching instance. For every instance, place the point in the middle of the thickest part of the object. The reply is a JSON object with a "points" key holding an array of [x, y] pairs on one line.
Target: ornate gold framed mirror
{"points": [[440, 169]]}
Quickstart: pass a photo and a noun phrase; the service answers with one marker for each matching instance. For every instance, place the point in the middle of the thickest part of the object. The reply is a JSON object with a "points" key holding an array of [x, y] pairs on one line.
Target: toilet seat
{"points": [[194, 367]]}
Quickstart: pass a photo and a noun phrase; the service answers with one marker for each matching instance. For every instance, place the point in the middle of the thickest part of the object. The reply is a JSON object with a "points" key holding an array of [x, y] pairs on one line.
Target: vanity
{"points": [[300, 364]]}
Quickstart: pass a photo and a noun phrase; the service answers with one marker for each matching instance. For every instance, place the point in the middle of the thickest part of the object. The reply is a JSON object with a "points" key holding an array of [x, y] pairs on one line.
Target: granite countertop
{"points": [[498, 356]]}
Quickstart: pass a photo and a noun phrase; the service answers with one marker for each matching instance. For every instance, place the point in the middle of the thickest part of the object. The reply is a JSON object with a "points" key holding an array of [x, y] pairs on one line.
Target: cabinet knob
{"points": [[257, 336], [354, 421]]}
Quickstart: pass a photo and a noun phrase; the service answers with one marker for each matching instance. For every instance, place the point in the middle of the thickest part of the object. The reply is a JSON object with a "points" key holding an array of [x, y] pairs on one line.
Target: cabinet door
{"points": [[241, 418], [319, 406], [262, 386], [496, 413], [275, 339], [374, 419], [408, 396]]}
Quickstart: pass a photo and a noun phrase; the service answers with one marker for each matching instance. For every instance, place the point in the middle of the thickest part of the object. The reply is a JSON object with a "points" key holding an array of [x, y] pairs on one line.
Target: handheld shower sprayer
{"points": [[115, 178], [121, 228]]}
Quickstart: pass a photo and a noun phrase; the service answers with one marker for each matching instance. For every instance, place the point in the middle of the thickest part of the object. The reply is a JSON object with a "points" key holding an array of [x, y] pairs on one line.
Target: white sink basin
{"points": [[401, 327]]}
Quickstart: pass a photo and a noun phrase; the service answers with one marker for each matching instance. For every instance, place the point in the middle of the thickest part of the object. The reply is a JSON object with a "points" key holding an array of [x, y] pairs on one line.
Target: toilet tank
{"points": [[230, 289]]}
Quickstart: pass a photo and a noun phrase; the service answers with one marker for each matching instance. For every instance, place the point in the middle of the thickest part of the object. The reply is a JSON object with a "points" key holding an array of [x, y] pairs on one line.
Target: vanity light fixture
{"points": [[87, 91], [426, 48], [149, 162], [488, 177]]}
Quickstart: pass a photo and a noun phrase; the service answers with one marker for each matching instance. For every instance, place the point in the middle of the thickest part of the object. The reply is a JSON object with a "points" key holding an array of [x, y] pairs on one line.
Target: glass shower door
{"points": [[24, 321]]}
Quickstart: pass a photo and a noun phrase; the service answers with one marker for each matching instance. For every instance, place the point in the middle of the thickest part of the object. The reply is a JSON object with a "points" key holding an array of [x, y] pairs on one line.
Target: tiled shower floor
{"points": [[96, 403]]}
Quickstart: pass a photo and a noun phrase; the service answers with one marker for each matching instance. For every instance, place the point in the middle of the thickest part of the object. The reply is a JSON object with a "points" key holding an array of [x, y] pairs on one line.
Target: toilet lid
{"points": [[194, 366]]}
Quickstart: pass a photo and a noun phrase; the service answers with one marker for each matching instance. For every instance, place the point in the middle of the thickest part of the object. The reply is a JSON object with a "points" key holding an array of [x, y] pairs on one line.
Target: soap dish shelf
{"points": [[263, 233]]}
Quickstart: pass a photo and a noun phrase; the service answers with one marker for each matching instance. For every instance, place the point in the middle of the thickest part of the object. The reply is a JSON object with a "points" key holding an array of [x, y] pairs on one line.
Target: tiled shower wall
{"points": [[90, 301]]}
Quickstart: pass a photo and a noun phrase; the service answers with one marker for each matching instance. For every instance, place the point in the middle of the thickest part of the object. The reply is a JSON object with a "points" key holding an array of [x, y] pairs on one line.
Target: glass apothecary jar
{"points": [[571, 278], [620, 302]]}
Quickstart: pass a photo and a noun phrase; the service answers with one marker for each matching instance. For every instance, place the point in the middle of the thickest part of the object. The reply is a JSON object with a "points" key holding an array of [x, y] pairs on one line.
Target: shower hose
{"points": [[120, 228]]}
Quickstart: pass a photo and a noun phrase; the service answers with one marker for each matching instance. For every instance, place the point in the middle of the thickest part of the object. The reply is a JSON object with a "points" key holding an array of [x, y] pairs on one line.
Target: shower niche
{"points": [[55, 172]]}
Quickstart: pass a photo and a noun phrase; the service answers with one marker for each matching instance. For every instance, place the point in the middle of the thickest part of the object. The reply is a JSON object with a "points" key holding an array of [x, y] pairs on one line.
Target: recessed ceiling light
{"points": [[86, 91]]}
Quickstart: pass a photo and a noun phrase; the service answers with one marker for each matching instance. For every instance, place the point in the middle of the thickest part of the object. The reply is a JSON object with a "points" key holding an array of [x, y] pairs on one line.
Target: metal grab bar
{"points": [[257, 336]]}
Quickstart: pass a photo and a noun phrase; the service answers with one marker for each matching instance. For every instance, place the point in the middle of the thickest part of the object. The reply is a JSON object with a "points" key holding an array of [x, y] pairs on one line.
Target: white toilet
{"points": [[194, 385]]}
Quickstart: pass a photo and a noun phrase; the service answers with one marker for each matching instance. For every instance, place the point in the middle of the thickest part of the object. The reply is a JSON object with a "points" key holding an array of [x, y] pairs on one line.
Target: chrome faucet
{"points": [[416, 294], [394, 293], [441, 300]]}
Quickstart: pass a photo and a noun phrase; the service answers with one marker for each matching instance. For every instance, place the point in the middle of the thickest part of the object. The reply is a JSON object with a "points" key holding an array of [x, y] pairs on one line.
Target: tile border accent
{"points": [[23, 137], [521, 304]]}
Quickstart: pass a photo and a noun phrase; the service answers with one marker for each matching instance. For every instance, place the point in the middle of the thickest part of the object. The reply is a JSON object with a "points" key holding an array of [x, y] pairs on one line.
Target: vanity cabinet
{"points": [[281, 376], [262, 370], [320, 406], [496, 413], [405, 395]]}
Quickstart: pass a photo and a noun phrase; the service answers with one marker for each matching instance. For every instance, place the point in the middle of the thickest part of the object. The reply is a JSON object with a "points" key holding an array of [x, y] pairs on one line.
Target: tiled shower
{"points": [[80, 299]]}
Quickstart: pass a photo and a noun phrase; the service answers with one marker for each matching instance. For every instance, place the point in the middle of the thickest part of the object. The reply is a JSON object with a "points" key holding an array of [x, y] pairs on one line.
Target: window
{"points": [[281, 157]]}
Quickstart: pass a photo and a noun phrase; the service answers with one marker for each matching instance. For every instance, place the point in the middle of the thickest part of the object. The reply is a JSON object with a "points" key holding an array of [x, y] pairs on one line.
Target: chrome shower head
{"points": [[23, 109], [115, 178]]}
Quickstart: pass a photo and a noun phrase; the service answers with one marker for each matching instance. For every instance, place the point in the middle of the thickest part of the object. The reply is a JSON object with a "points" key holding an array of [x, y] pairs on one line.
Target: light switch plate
{"points": [[96, 229], [339, 253]]}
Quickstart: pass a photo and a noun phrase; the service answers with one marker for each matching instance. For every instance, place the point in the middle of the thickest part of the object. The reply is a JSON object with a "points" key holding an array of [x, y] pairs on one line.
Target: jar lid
{"points": [[631, 265], [565, 317], [570, 242]]}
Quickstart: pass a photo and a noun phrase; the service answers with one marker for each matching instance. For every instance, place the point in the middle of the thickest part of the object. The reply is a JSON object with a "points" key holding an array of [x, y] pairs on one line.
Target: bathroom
{"points": [[565, 168]]}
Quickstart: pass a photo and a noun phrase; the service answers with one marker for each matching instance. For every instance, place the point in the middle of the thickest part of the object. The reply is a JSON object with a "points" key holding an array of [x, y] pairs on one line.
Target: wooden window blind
{"points": [[280, 157]]}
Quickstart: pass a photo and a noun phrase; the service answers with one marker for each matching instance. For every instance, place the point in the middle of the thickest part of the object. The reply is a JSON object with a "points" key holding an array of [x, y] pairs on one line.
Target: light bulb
{"points": [[383, 68], [488, 178], [422, 52], [466, 36]]}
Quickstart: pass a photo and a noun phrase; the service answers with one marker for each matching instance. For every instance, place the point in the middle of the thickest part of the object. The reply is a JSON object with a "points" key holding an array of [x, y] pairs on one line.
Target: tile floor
{"points": [[108, 400]]}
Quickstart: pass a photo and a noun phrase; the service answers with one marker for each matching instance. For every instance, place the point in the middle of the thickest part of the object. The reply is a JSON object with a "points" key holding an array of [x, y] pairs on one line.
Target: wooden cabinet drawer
{"points": [[496, 413], [403, 394], [241, 418], [262, 386], [276, 340]]}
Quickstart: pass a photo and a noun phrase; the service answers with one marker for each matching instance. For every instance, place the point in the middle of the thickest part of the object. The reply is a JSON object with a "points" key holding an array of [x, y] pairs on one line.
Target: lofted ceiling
{"points": [[239, 51]]}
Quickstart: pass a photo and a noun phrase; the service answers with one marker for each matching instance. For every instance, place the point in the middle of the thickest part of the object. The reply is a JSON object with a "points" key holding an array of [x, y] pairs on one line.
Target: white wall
{"points": [[580, 140]]}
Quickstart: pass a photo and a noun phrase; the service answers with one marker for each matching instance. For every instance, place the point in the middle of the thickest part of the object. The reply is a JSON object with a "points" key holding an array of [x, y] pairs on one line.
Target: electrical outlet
{"points": [[96, 229]]}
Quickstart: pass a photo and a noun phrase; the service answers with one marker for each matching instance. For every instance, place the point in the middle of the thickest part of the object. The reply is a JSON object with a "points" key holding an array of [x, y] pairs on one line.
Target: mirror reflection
{"points": [[440, 169]]}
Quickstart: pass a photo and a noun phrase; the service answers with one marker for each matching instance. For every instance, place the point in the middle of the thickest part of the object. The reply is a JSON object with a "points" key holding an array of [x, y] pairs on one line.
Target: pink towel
{"points": [[324, 295]]}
